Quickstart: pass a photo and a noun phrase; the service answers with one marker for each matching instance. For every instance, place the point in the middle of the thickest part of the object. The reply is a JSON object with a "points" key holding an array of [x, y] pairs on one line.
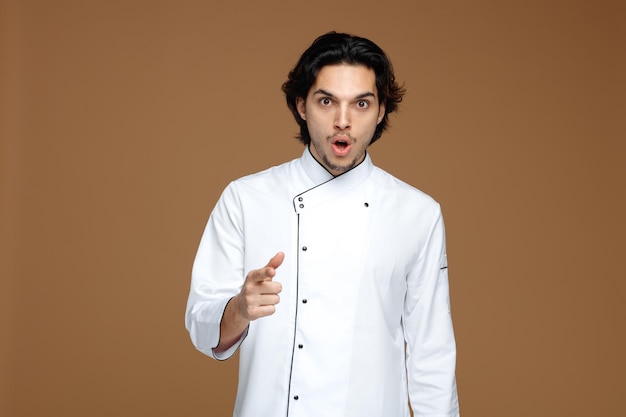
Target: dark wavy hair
{"points": [[341, 48]]}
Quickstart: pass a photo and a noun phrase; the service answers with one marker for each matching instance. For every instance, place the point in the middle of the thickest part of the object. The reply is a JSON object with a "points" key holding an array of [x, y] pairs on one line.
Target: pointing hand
{"points": [[259, 294]]}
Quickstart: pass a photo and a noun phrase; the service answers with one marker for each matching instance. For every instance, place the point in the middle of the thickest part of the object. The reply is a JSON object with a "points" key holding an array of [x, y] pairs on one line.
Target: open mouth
{"points": [[341, 146]]}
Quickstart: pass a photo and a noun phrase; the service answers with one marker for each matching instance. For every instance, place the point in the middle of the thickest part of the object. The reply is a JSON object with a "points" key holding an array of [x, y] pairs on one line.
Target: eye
{"points": [[362, 104], [325, 101]]}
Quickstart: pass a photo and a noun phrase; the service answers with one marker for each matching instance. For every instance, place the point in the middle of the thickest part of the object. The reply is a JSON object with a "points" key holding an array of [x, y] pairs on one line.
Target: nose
{"points": [[342, 118]]}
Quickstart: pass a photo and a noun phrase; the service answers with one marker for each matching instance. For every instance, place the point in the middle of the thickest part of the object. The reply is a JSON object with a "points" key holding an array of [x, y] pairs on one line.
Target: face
{"points": [[341, 111]]}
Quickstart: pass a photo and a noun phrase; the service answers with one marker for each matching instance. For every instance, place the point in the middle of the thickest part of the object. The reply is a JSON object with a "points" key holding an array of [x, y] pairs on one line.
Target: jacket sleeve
{"points": [[217, 274], [429, 336]]}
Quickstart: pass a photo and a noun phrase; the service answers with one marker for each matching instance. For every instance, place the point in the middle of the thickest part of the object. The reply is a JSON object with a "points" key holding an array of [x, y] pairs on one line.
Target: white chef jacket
{"points": [[363, 324]]}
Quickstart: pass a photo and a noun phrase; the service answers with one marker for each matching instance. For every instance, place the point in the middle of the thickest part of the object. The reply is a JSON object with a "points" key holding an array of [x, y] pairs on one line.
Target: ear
{"points": [[381, 112], [300, 105]]}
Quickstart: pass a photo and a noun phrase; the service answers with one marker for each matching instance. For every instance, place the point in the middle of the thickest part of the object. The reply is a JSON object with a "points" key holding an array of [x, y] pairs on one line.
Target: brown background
{"points": [[122, 121]]}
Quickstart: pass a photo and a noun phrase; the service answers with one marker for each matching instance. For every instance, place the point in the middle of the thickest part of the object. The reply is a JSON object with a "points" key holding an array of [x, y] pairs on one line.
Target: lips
{"points": [[341, 145]]}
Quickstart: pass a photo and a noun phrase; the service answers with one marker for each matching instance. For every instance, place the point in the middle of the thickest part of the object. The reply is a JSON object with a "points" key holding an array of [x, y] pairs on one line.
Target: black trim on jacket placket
{"points": [[295, 325]]}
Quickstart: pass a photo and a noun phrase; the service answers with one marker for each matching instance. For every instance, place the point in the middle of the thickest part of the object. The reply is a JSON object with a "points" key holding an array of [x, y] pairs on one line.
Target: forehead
{"points": [[345, 80]]}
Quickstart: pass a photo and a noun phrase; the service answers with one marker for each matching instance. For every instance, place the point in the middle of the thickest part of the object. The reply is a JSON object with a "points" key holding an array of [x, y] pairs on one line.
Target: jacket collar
{"points": [[318, 175], [324, 185]]}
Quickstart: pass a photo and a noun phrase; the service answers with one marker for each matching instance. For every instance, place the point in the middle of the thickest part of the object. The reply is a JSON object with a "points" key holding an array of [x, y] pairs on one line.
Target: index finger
{"points": [[277, 260], [269, 270]]}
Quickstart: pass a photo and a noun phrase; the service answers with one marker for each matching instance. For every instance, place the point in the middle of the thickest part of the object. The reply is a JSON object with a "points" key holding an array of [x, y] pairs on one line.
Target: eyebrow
{"points": [[331, 95]]}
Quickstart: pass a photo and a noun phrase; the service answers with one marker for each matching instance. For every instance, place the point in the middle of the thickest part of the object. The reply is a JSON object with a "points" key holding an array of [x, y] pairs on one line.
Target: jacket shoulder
{"points": [[390, 185]]}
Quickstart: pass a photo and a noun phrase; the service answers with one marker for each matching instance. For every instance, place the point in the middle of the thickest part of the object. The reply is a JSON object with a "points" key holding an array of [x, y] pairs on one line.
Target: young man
{"points": [[350, 315]]}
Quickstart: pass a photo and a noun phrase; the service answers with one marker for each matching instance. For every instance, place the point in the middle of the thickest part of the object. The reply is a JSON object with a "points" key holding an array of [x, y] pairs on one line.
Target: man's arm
{"points": [[431, 348], [257, 298], [220, 306]]}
